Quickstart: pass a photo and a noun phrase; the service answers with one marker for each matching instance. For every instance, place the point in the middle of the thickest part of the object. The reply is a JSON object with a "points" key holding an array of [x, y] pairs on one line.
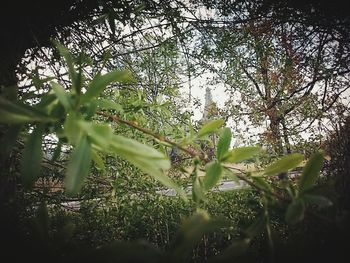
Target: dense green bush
{"points": [[338, 167], [153, 218]]}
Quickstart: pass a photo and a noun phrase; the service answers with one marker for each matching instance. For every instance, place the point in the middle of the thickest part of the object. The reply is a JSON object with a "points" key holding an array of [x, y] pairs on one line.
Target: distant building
{"points": [[210, 112], [210, 108], [208, 102]]}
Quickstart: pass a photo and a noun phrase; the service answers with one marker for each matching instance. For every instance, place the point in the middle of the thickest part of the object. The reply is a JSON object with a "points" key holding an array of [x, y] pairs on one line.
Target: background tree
{"points": [[288, 73]]}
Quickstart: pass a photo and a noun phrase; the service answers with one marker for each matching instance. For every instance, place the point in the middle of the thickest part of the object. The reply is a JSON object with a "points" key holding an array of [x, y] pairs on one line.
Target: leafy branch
{"points": [[159, 137]]}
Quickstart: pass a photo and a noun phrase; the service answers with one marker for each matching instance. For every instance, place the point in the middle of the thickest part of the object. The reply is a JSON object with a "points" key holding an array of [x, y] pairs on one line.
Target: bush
{"points": [[155, 219]]}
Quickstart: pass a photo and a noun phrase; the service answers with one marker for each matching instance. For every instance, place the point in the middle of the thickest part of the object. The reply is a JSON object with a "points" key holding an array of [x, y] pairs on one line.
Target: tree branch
{"points": [[253, 80], [257, 187], [159, 137]]}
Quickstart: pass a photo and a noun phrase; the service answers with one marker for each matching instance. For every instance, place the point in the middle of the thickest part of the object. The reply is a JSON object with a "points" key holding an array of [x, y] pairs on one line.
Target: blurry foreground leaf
{"points": [[70, 63], [257, 227], [240, 154], [99, 134], [197, 192], [310, 172], [97, 160], [213, 173], [62, 95], [145, 158], [32, 157], [16, 113], [100, 82], [284, 164], [72, 129], [295, 212], [210, 127], [262, 183], [109, 105], [224, 143], [78, 166], [318, 200], [192, 231]]}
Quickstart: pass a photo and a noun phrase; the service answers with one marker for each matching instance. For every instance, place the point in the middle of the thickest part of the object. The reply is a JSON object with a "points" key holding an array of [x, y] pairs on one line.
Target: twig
{"points": [[159, 137], [254, 185]]}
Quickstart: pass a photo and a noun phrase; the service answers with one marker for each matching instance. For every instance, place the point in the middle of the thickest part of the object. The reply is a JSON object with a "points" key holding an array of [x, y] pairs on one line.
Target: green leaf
{"points": [[62, 95], [240, 154], [231, 175], [145, 158], [17, 113], [224, 143], [98, 160], [80, 76], [99, 20], [133, 147], [111, 21], [31, 158], [38, 83], [197, 192], [72, 129], [100, 82], [90, 109], [213, 173], [198, 224], [109, 105], [78, 167], [70, 63], [99, 134], [318, 200], [310, 172], [284, 164], [47, 101], [261, 182], [256, 228], [191, 232], [210, 127], [295, 212]]}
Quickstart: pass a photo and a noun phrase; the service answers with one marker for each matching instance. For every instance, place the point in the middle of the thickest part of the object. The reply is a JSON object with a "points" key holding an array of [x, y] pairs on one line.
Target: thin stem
{"points": [[159, 137], [254, 185]]}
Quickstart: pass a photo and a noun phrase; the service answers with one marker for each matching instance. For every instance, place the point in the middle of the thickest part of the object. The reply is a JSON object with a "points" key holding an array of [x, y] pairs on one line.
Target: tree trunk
{"points": [[286, 136], [275, 132], [276, 135]]}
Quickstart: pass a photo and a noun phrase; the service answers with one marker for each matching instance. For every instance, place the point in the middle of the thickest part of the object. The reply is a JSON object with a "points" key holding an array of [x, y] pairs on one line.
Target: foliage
{"points": [[70, 116], [92, 129], [337, 147], [273, 82]]}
